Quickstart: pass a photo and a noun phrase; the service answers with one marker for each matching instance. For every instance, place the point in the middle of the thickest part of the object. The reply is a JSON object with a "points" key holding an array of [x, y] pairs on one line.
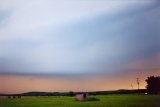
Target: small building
{"points": [[81, 97]]}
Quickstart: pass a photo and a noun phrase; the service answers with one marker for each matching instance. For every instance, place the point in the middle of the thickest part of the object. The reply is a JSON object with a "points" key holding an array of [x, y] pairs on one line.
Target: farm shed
{"points": [[81, 97]]}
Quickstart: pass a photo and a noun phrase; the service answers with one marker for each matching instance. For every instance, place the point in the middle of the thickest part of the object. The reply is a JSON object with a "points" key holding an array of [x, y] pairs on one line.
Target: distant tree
{"points": [[71, 93], [153, 85]]}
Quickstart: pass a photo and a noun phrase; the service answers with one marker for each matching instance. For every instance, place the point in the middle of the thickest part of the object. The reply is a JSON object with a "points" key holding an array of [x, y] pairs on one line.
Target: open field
{"points": [[105, 101]]}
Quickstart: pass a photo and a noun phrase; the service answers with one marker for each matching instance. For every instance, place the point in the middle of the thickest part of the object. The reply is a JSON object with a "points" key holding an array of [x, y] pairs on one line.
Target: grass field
{"points": [[105, 101]]}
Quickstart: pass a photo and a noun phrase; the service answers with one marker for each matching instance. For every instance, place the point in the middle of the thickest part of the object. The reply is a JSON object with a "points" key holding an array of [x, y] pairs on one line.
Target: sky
{"points": [[78, 45]]}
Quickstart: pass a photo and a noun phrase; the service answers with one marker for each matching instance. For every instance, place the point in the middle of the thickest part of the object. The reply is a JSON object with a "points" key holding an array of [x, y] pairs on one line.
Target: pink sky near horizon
{"points": [[20, 84]]}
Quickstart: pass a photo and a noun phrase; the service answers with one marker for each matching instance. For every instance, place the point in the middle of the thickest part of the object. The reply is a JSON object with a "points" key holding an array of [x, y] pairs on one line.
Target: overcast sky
{"points": [[73, 37]]}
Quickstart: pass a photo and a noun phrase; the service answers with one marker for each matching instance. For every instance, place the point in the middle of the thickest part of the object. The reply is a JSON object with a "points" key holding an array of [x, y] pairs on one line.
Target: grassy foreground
{"points": [[105, 101]]}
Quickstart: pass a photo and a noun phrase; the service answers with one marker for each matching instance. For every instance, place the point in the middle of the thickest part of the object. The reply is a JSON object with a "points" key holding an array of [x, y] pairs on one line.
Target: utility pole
{"points": [[132, 86], [138, 84]]}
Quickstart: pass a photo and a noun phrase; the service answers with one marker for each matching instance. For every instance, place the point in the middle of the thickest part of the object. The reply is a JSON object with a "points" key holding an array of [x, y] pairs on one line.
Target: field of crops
{"points": [[104, 101]]}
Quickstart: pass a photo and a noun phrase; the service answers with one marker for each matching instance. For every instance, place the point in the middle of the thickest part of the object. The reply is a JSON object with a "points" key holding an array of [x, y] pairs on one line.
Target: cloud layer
{"points": [[77, 37]]}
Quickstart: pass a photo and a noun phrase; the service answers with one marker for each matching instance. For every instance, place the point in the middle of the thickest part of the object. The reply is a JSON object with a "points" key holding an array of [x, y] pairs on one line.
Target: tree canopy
{"points": [[153, 85]]}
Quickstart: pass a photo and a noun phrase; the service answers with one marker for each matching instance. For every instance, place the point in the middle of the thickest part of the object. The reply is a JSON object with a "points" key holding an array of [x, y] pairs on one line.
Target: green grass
{"points": [[105, 101]]}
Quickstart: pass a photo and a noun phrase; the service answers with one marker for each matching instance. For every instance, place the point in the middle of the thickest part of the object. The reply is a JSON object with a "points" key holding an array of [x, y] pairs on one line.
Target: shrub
{"points": [[93, 99]]}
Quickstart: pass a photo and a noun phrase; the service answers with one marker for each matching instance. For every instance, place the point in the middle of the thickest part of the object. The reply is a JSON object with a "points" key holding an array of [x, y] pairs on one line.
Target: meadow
{"points": [[65, 101]]}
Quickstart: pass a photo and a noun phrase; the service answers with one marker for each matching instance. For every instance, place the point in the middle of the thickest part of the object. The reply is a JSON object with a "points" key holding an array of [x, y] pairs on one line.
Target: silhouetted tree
{"points": [[153, 85], [71, 93]]}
